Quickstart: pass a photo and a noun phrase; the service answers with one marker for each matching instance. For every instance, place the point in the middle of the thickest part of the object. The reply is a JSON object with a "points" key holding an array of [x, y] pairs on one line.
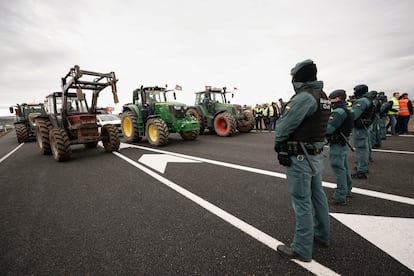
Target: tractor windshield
{"points": [[155, 96], [218, 97], [77, 106], [33, 109]]}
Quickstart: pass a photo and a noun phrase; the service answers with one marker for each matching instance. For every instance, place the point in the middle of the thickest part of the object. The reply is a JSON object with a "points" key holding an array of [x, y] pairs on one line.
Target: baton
{"points": [[307, 157], [346, 141]]}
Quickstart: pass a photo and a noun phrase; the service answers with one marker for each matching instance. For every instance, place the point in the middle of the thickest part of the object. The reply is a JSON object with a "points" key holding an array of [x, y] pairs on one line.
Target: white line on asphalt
{"points": [[255, 233], [393, 151], [355, 190], [10, 153]]}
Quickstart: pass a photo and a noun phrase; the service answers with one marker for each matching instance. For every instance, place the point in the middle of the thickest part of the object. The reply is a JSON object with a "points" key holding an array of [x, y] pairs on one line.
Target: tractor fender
{"points": [[133, 108], [196, 107], [219, 112]]}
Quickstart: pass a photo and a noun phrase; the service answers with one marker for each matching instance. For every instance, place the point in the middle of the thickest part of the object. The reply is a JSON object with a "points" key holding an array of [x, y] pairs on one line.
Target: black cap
{"points": [[338, 93], [360, 90], [304, 71]]}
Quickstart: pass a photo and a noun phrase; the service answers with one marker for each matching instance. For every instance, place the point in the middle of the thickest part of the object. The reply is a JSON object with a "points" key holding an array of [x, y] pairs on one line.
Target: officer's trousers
{"points": [[383, 129], [307, 196], [338, 157], [361, 143]]}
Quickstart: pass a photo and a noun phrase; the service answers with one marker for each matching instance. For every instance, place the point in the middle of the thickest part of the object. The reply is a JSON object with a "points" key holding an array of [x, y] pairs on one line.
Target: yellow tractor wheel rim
{"points": [[153, 133], [127, 127]]}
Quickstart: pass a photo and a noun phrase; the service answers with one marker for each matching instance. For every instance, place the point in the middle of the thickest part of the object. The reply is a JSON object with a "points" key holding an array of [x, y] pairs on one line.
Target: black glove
{"points": [[284, 158]]}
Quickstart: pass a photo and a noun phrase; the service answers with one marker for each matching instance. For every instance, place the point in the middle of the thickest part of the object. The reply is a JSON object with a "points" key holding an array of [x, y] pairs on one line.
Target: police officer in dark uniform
{"points": [[339, 128], [299, 141], [363, 113]]}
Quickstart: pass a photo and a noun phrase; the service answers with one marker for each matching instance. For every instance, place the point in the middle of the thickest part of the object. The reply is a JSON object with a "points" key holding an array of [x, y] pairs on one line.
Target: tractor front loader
{"points": [[70, 120]]}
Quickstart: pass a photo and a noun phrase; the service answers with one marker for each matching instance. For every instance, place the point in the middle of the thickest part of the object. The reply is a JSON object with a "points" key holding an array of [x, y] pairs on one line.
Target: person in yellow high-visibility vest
{"points": [[258, 114], [393, 112]]}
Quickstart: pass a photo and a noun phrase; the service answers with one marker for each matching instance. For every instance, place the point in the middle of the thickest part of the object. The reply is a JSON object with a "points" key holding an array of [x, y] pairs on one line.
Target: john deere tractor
{"points": [[151, 114], [215, 113], [24, 123], [70, 120]]}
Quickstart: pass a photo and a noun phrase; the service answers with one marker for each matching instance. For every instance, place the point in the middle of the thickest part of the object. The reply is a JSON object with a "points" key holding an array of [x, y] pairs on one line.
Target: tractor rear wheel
{"points": [[110, 138], [197, 117], [22, 133], [225, 124], [246, 122], [157, 132], [42, 135], [129, 126], [59, 144]]}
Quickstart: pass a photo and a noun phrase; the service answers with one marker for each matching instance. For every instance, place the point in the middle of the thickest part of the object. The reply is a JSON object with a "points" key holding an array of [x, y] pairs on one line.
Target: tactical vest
{"points": [[348, 124], [313, 128], [366, 118]]}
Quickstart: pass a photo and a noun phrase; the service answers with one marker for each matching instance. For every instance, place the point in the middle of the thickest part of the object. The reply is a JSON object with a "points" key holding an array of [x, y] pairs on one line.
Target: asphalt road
{"points": [[219, 206]]}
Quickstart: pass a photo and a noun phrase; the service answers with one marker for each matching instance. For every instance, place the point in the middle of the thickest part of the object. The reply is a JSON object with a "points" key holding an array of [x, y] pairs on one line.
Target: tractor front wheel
{"points": [[157, 132], [42, 135], [225, 124], [196, 117], [59, 144], [246, 122], [110, 138], [189, 135]]}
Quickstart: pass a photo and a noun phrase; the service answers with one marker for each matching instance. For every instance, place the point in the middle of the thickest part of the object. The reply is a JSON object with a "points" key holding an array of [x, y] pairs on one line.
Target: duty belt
{"points": [[295, 149]]}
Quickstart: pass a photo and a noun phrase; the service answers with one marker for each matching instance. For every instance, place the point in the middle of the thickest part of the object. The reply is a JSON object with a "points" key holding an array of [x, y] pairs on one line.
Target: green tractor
{"points": [[24, 124], [151, 114], [69, 120], [214, 112]]}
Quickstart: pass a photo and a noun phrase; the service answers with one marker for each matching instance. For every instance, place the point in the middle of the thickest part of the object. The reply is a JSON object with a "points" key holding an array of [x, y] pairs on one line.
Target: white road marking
{"points": [[10, 153], [159, 161], [394, 151], [355, 190], [393, 235], [255, 233]]}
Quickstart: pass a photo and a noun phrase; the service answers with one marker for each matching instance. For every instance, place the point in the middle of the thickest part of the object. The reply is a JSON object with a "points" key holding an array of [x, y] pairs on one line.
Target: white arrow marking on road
{"points": [[159, 161], [313, 266], [393, 235]]}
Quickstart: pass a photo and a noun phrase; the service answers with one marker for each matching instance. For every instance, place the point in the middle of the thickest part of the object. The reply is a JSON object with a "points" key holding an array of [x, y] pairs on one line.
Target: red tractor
{"points": [[69, 120]]}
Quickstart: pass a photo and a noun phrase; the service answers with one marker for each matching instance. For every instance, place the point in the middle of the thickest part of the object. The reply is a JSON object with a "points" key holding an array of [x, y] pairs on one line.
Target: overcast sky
{"points": [[248, 44]]}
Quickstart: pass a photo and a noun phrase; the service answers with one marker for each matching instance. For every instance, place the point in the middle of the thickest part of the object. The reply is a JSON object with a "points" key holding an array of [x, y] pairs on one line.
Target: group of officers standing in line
{"points": [[307, 122]]}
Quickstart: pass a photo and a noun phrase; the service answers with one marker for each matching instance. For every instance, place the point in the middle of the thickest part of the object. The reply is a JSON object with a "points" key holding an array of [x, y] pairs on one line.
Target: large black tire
{"points": [[60, 144], [110, 138], [189, 135], [225, 124], [157, 132], [246, 122], [129, 127], [22, 133], [43, 126], [197, 117]]}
